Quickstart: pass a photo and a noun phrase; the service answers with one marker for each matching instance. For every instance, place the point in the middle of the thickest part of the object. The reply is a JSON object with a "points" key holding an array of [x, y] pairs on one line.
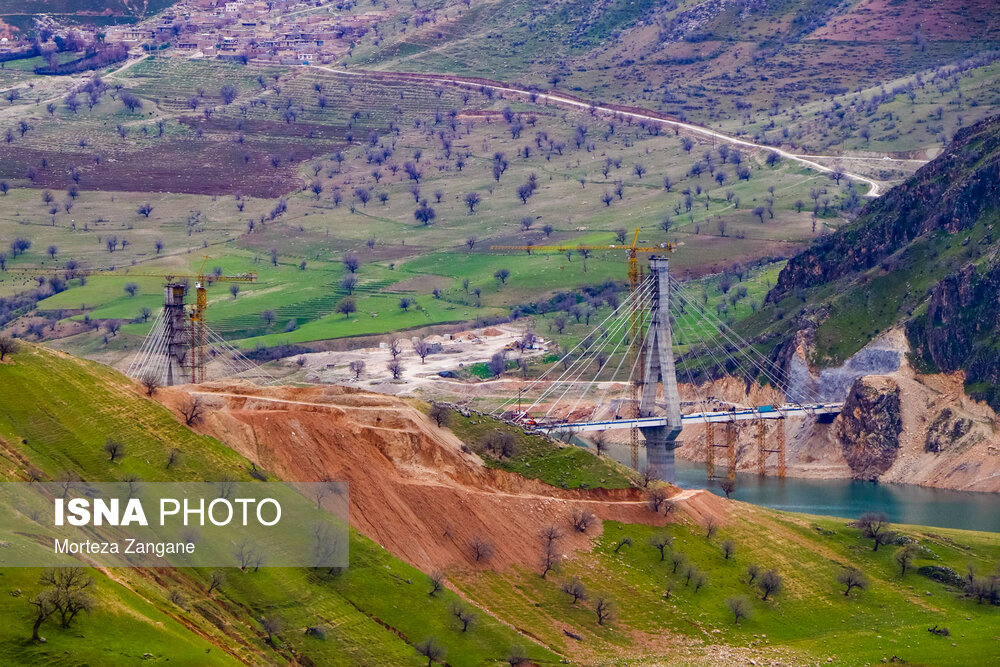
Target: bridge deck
{"points": [[815, 410]]}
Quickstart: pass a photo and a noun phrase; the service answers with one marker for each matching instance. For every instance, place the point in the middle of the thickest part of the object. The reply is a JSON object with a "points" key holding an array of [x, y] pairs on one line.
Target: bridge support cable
{"points": [[614, 315], [698, 310], [770, 369], [239, 365], [139, 363], [757, 360], [585, 360], [625, 337], [580, 366], [626, 389], [682, 315], [574, 369]]}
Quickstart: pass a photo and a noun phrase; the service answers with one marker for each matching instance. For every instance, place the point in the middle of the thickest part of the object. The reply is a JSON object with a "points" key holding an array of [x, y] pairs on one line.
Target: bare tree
{"points": [[437, 582], [45, 606], [395, 367], [710, 528], [150, 382], [662, 542], [395, 347], [875, 526], [357, 368], [728, 548], [550, 557], [422, 348], [656, 497], [516, 656], [8, 346], [770, 583], [482, 549], [905, 556], [115, 449], [753, 571], [604, 608], [173, 457], [600, 441], [852, 578], [440, 414], [582, 520], [351, 262], [270, 625], [575, 588], [464, 614], [347, 306], [739, 607], [728, 486], [69, 592], [676, 560], [431, 649], [216, 579], [192, 410]]}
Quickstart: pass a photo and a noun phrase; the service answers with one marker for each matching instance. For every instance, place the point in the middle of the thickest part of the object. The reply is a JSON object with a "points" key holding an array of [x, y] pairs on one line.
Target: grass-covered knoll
{"points": [[55, 415], [537, 457], [809, 619]]}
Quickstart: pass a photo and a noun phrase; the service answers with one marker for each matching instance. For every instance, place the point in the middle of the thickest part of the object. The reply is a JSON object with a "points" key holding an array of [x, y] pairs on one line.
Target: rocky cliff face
{"points": [[924, 257], [961, 328], [949, 194], [868, 428]]}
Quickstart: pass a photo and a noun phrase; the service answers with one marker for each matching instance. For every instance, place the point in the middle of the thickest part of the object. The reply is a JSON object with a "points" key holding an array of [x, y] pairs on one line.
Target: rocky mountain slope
{"points": [[897, 314], [925, 256]]}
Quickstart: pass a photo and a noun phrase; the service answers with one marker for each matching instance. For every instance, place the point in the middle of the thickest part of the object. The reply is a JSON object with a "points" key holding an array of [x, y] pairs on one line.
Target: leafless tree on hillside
{"points": [[357, 368], [437, 582], [604, 609], [852, 578], [272, 626], [114, 449], [464, 614], [582, 520], [151, 382], [440, 414], [575, 588], [216, 579], [8, 346], [656, 497], [192, 410], [482, 549]]}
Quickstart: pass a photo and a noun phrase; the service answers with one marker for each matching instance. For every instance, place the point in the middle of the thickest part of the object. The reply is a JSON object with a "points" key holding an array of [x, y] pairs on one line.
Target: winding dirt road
{"points": [[876, 188]]}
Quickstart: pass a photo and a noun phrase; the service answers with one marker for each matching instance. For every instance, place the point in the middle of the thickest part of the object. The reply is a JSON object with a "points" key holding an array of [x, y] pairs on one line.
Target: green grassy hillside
{"points": [[374, 612], [55, 414]]}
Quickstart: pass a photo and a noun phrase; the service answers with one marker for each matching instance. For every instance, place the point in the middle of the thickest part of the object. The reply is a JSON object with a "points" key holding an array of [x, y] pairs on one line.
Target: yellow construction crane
{"points": [[634, 278], [632, 252]]}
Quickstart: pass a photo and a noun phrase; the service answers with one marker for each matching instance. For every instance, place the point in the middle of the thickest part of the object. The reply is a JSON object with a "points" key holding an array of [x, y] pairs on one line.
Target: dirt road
{"points": [[875, 187]]}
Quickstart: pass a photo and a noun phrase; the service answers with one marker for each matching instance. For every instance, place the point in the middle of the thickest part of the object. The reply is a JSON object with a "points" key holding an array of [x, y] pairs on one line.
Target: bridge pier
{"points": [[176, 346], [661, 441]]}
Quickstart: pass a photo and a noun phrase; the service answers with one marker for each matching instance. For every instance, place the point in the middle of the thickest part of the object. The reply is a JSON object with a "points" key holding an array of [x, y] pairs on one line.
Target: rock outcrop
{"points": [[868, 428]]}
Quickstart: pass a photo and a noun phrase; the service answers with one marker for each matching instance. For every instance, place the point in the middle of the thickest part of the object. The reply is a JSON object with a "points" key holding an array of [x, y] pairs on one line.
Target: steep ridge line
{"points": [[638, 113]]}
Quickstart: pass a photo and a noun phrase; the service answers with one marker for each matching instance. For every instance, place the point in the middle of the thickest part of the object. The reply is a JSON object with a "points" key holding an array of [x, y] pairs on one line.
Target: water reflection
{"points": [[903, 503]]}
